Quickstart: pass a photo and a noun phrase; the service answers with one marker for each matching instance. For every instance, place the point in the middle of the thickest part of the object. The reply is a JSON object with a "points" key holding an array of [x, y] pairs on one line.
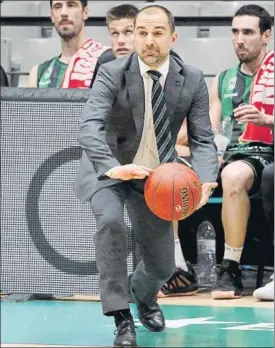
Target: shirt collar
{"points": [[164, 69]]}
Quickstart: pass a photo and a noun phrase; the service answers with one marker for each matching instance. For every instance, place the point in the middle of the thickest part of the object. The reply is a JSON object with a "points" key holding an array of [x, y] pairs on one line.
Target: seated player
{"points": [[267, 189], [65, 71], [120, 24], [251, 146]]}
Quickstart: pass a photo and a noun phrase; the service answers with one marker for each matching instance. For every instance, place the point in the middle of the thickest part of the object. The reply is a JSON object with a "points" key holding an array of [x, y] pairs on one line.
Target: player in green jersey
{"points": [[243, 163]]}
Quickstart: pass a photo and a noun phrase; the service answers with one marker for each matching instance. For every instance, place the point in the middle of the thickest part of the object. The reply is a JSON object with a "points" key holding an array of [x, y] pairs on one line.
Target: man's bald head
{"points": [[151, 10]]}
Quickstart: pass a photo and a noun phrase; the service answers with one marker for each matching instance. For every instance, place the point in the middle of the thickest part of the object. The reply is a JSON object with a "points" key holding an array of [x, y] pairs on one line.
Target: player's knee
{"points": [[237, 176]]}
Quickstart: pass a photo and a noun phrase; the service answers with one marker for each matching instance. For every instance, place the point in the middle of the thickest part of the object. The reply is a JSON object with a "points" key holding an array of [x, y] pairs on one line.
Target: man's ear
{"points": [[85, 13], [175, 37], [266, 36]]}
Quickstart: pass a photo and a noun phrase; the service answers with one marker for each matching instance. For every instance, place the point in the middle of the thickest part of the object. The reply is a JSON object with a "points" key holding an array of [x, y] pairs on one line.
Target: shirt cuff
{"points": [[109, 173]]}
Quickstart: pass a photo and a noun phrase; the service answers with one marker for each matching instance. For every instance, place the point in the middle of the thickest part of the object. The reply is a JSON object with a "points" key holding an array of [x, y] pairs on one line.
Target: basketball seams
{"points": [[151, 200], [161, 180], [155, 193]]}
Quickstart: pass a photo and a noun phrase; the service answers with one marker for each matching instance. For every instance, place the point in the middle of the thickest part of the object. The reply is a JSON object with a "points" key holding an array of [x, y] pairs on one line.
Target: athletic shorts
{"points": [[257, 162]]}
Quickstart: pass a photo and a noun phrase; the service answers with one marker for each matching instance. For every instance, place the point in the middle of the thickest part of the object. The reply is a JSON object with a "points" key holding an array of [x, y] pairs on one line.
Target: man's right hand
{"points": [[129, 172]]}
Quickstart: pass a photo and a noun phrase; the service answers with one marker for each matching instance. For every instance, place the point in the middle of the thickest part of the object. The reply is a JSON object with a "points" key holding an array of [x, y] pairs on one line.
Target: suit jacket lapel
{"points": [[173, 85], [135, 88]]}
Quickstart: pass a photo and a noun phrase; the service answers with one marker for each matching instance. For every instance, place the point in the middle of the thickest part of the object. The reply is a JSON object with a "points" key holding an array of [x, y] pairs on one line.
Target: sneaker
{"points": [[265, 293], [229, 284], [181, 283]]}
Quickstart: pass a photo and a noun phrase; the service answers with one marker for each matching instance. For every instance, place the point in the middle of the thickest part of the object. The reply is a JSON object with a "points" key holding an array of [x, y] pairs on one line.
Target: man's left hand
{"points": [[249, 113], [207, 189]]}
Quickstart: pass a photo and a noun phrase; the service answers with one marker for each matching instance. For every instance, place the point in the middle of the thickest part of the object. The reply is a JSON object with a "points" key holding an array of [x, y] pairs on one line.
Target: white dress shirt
{"points": [[147, 154]]}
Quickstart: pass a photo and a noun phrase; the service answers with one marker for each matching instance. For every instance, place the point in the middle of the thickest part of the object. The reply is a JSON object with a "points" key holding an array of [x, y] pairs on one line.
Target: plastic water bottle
{"points": [[227, 127], [223, 134], [206, 260]]}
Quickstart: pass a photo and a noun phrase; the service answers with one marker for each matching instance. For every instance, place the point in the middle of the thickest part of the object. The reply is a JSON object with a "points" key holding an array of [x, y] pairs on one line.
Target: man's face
{"points": [[68, 17], [122, 36], [247, 39], [153, 36]]}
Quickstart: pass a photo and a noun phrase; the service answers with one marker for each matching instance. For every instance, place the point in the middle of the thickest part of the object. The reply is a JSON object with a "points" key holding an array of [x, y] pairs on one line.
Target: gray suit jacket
{"points": [[112, 121]]}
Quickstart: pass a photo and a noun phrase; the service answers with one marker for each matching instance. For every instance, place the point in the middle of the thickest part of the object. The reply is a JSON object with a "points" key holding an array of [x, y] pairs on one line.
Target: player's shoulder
{"points": [[117, 67], [42, 67], [45, 65], [106, 57], [232, 71]]}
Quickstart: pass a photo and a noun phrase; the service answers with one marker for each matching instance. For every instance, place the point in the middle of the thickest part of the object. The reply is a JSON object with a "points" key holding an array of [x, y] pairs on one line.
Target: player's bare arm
{"points": [[182, 146], [32, 80]]}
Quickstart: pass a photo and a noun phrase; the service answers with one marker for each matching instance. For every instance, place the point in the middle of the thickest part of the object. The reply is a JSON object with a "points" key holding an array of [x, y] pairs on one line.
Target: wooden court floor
{"points": [[194, 321]]}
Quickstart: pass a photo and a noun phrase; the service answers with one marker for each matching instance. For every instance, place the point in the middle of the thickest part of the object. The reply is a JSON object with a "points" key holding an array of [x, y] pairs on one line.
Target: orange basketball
{"points": [[173, 191]]}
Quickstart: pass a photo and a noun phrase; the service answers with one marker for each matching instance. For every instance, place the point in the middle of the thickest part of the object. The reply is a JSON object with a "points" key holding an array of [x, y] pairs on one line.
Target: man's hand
{"points": [[207, 189], [129, 172], [249, 113]]}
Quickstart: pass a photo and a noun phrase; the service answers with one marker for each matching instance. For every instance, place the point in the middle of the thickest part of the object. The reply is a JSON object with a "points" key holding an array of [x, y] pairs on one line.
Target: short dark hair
{"points": [[265, 21], [83, 2], [171, 19], [121, 12]]}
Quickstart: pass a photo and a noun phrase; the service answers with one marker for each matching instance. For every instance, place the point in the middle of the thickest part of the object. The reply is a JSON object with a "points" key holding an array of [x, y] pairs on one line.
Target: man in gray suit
{"points": [[128, 127]]}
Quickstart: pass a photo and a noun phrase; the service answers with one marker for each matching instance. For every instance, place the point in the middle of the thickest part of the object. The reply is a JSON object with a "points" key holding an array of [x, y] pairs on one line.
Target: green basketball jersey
{"points": [[234, 89], [51, 73]]}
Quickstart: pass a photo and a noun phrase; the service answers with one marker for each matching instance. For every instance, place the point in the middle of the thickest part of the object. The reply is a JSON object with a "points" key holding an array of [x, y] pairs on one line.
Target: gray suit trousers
{"points": [[155, 241]]}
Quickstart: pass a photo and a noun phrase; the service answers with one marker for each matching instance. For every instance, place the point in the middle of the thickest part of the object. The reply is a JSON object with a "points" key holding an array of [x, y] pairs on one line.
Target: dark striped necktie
{"points": [[166, 149]]}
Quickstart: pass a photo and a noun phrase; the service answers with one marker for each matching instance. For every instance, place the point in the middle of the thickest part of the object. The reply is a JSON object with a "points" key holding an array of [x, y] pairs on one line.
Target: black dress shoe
{"points": [[125, 333], [150, 316]]}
